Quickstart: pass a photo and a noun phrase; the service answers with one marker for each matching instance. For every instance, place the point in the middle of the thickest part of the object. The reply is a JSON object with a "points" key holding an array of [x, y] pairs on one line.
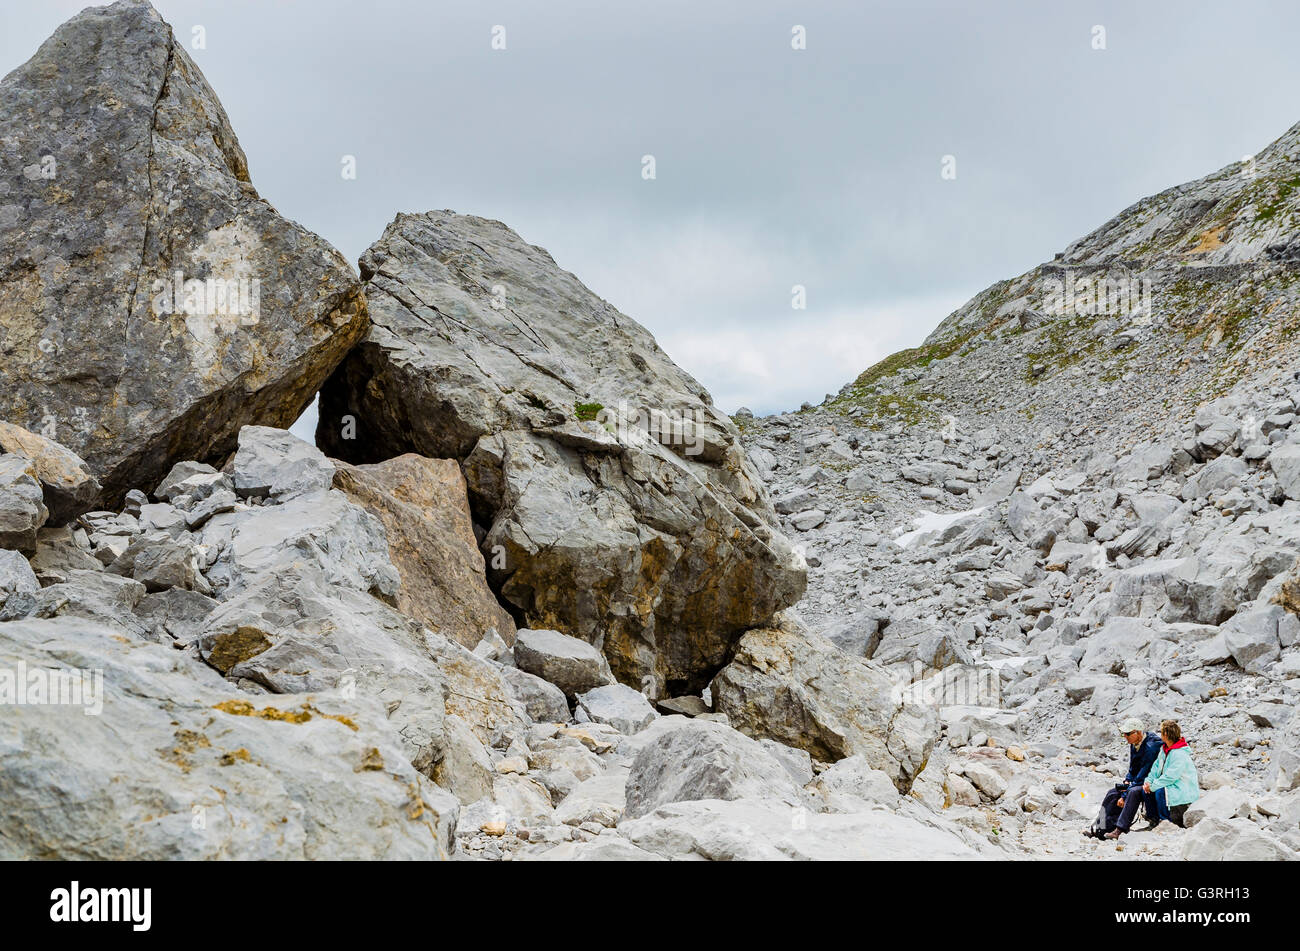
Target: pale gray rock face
{"points": [[1285, 463], [601, 799], [16, 576], [57, 553], [798, 689], [1233, 840], [192, 481], [326, 530], [92, 595], [698, 759], [1251, 637], [289, 629], [307, 593], [617, 498], [853, 784], [131, 176], [22, 508], [858, 637], [798, 763], [757, 829], [1284, 771], [514, 801], [573, 665], [542, 700], [619, 706], [274, 462], [209, 772], [1222, 803]]}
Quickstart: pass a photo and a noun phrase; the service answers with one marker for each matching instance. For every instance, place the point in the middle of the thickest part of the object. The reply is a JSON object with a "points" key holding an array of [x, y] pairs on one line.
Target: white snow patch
{"points": [[927, 522]]}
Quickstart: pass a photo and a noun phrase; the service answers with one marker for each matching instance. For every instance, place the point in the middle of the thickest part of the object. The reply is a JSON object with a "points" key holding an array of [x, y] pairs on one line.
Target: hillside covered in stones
{"points": [[532, 596], [1079, 500]]}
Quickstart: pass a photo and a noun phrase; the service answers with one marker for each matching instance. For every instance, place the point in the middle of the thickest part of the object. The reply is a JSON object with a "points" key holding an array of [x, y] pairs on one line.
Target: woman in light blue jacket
{"points": [[1172, 784]]}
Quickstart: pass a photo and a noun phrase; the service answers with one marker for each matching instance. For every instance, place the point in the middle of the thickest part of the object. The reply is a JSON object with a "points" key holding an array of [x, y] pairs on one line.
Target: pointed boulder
{"points": [[151, 303]]}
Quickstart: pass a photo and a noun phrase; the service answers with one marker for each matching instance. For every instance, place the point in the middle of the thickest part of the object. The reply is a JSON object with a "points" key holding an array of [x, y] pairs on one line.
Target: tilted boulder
{"points": [[619, 505], [151, 302], [798, 689], [572, 665]]}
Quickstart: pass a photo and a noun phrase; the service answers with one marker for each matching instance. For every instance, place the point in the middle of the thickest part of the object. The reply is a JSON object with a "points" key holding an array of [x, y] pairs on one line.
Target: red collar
{"points": [[1169, 749]]}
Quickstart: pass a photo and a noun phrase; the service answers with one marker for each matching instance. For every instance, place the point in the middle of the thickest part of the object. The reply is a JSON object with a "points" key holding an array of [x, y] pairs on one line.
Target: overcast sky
{"points": [[775, 167]]}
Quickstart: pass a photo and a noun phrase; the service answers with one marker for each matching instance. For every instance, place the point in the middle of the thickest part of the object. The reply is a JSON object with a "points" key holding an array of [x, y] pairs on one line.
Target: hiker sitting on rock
{"points": [[1120, 806], [1172, 785]]}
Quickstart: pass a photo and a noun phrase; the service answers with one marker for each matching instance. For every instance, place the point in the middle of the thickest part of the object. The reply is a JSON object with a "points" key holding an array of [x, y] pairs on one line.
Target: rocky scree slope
{"points": [[1043, 522], [1123, 335]]}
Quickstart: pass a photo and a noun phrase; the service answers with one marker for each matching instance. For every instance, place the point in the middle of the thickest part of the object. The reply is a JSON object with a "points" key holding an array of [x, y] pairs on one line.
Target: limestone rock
{"points": [[151, 303], [16, 576], [571, 664], [852, 784], [68, 486], [798, 689], [22, 509], [698, 759], [425, 512], [619, 706], [767, 830], [276, 463], [209, 772], [542, 700], [1233, 840], [618, 499]]}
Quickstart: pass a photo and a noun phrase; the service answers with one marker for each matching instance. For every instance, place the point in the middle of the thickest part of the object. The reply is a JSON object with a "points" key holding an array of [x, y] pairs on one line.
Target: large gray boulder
{"points": [[542, 700], [700, 759], [620, 507], [307, 603], [206, 771], [151, 302], [571, 664], [276, 463], [1285, 462], [1251, 637], [619, 706], [798, 689], [291, 632]]}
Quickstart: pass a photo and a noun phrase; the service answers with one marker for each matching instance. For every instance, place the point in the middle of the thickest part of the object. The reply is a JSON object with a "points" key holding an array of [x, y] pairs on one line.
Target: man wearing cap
{"points": [[1121, 803]]}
